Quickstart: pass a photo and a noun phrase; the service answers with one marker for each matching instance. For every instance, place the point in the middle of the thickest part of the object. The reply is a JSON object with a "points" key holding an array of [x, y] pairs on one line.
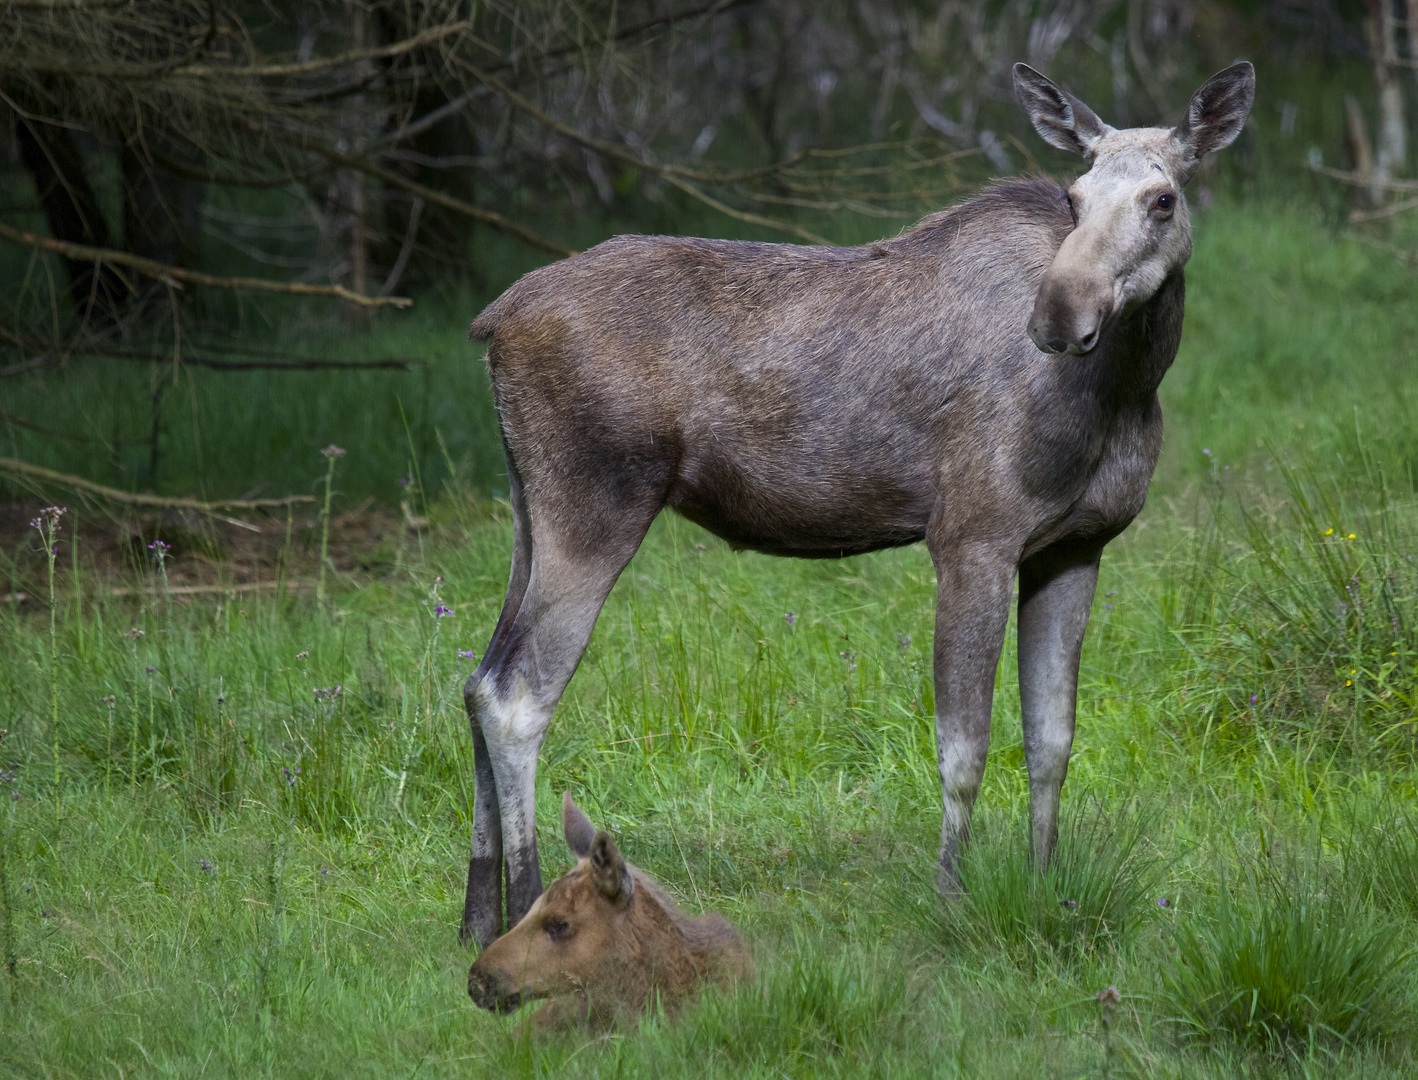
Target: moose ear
{"points": [[578, 829], [608, 869], [1060, 118], [1216, 113]]}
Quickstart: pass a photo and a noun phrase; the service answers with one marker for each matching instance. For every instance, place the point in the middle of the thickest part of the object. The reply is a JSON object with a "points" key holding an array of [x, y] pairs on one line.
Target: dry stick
{"points": [[679, 177], [162, 502], [491, 218], [425, 37], [1358, 179], [296, 363], [170, 275]]}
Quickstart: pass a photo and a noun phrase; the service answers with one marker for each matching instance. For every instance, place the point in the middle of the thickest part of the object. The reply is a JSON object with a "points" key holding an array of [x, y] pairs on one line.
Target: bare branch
{"points": [[491, 218], [173, 275], [39, 473], [300, 363], [267, 71]]}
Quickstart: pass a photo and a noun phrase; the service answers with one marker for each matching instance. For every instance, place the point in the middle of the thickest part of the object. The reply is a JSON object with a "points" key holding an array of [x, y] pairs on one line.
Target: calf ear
{"points": [[1060, 118], [608, 869], [577, 827], [1216, 113]]}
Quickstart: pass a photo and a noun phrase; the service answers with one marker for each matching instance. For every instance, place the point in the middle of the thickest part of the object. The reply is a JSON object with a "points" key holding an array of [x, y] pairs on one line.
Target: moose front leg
{"points": [[972, 608], [1055, 593]]}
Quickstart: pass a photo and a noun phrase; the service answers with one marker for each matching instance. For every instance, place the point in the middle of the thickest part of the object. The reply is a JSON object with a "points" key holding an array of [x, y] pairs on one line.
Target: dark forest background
{"points": [[231, 233]]}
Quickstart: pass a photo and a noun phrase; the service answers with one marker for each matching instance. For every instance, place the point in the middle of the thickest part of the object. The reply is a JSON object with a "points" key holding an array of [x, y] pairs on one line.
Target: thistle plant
{"points": [[133, 635], [332, 454], [160, 550], [48, 525]]}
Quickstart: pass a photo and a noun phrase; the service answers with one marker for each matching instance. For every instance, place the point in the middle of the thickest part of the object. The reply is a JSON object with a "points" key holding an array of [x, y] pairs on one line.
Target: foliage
{"points": [[1100, 887], [1285, 965]]}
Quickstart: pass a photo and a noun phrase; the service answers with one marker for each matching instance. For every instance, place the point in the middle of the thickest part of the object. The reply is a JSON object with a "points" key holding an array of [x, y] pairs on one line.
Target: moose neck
{"points": [[1141, 344]]}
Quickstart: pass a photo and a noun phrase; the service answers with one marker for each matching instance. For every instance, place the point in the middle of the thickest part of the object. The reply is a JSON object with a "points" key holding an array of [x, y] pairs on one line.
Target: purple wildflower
{"points": [[1162, 902], [48, 517], [1070, 903], [206, 867], [406, 480], [465, 654], [790, 617], [291, 777], [162, 547], [329, 692], [440, 610], [333, 451], [904, 640], [1205, 451], [151, 670], [1253, 699], [324, 871]]}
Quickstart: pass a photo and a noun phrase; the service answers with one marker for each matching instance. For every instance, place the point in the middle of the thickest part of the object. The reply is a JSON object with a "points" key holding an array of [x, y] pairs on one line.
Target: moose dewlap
{"points": [[603, 941]]}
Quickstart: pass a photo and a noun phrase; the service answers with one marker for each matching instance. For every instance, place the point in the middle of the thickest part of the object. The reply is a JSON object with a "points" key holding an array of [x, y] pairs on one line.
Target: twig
{"points": [[679, 177], [118, 592], [299, 363], [38, 472], [743, 215], [264, 71], [491, 218], [1357, 216], [1360, 180], [171, 275]]}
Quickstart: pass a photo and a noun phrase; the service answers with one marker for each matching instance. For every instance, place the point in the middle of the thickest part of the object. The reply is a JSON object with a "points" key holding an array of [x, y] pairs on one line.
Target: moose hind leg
{"points": [[516, 696], [482, 903], [1055, 593]]}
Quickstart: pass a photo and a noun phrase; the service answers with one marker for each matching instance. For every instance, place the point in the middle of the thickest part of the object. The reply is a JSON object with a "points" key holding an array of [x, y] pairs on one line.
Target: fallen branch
{"points": [[176, 590], [299, 363], [173, 275], [77, 483]]}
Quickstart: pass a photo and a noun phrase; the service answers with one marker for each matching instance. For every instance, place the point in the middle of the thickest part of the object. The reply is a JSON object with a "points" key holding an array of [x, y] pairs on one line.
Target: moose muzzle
{"points": [[1075, 298]]}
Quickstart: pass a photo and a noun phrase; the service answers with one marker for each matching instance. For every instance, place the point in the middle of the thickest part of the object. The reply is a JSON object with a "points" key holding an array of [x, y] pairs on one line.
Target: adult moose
{"points": [[986, 381]]}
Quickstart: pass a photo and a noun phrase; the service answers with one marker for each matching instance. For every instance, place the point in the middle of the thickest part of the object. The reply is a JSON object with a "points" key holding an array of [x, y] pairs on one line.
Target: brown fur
{"points": [[602, 942]]}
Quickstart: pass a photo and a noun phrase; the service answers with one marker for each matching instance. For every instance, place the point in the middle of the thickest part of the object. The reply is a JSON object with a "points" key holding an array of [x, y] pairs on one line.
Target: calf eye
{"points": [[556, 929], [1164, 202]]}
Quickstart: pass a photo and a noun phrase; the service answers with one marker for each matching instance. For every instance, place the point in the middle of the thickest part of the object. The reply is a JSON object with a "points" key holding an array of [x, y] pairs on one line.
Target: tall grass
{"points": [[1286, 964], [260, 863]]}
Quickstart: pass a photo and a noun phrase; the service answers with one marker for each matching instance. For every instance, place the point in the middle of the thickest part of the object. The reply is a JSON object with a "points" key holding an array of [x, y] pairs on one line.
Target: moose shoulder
{"points": [[986, 382]]}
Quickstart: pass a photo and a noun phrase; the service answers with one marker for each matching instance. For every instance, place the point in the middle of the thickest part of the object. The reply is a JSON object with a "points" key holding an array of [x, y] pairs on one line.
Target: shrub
{"points": [[1285, 966], [1315, 635], [1100, 883]]}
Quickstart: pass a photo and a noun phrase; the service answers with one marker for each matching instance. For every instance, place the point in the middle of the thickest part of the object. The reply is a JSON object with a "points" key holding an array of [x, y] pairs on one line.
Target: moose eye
{"points": [[1164, 202], [556, 928]]}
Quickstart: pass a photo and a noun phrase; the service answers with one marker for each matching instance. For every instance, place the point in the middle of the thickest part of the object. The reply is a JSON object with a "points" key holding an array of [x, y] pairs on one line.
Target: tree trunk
{"points": [[1392, 151], [71, 208]]}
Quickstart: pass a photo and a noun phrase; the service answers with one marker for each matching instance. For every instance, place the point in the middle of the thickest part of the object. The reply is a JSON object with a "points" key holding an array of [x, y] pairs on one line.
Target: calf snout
{"points": [[490, 990]]}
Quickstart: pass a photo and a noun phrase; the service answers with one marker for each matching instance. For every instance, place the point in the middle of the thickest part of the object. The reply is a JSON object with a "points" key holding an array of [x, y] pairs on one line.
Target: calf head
{"points": [[571, 940], [1132, 230]]}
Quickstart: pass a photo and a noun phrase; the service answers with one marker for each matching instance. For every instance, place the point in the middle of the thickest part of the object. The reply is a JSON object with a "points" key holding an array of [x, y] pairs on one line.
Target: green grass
{"points": [[190, 910]]}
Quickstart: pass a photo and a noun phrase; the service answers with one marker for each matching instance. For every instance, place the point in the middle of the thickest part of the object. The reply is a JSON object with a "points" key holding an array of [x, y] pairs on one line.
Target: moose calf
{"points": [[601, 941]]}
